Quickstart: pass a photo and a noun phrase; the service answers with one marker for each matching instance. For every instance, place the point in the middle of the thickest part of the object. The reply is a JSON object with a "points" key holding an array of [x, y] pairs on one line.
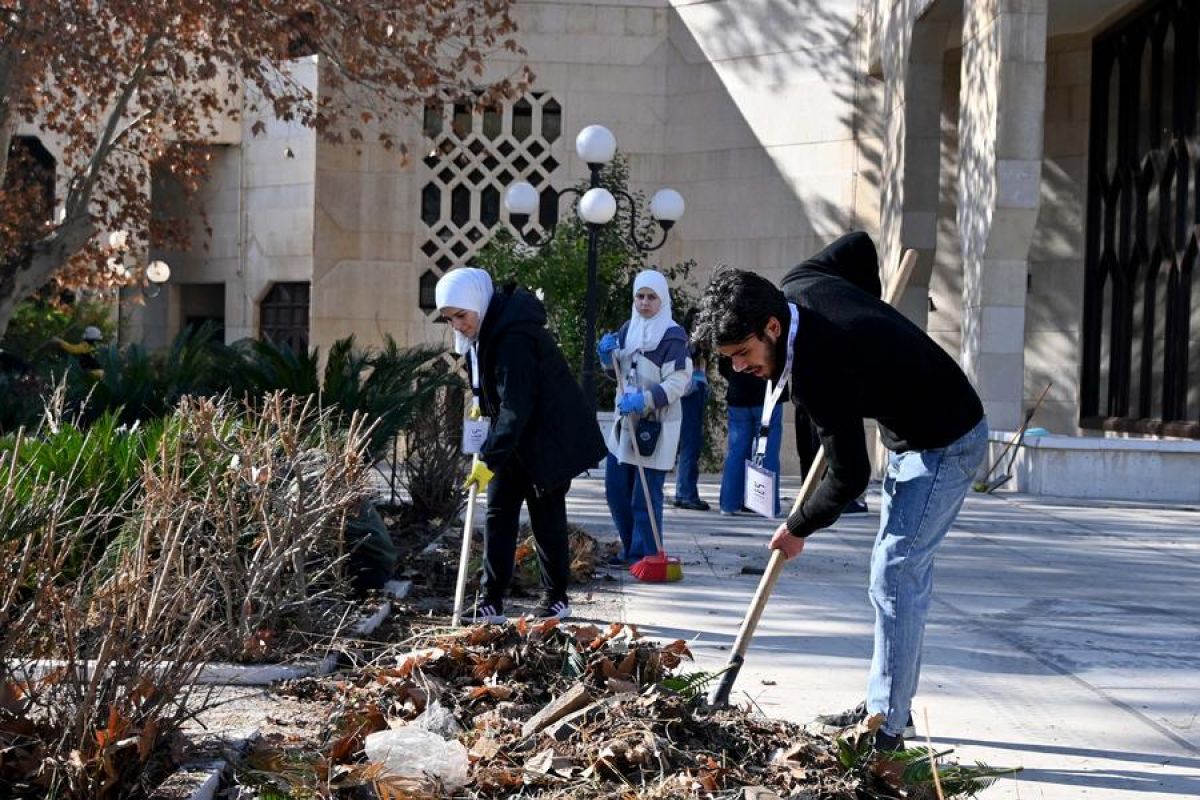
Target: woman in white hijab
{"points": [[650, 352], [541, 433]]}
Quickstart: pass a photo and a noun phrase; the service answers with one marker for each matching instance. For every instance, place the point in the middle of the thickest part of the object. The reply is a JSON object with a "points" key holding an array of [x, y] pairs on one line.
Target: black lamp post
{"points": [[596, 207]]}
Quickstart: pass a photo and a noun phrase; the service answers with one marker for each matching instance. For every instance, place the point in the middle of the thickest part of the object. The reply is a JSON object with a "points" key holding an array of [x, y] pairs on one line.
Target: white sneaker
{"points": [[554, 609], [487, 613]]}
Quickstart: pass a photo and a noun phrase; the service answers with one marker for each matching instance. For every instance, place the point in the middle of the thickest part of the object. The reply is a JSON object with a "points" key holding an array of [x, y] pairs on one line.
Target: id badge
{"points": [[475, 433], [760, 490]]}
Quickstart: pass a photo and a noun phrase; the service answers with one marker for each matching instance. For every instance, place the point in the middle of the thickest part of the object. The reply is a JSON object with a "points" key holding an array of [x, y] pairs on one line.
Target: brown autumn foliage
{"points": [[125, 86]]}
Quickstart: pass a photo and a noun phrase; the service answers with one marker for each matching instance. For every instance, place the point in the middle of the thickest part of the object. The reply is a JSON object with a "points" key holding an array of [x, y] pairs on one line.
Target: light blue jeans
{"points": [[627, 504], [923, 491], [743, 427]]}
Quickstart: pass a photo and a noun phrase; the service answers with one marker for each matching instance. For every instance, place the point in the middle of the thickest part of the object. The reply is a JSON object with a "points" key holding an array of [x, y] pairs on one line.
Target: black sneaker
{"points": [[851, 717], [487, 612], [885, 743], [693, 505], [855, 506], [554, 609], [617, 561]]}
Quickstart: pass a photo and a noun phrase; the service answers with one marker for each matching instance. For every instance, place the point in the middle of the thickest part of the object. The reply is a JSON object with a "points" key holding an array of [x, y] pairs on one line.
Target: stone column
{"points": [[1001, 131], [912, 50]]}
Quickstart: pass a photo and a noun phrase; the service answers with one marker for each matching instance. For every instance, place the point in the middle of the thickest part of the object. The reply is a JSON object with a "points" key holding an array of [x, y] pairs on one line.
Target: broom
{"points": [[657, 568]]}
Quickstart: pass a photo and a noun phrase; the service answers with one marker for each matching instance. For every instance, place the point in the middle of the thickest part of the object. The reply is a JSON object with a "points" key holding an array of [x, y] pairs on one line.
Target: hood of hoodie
{"points": [[512, 307]]}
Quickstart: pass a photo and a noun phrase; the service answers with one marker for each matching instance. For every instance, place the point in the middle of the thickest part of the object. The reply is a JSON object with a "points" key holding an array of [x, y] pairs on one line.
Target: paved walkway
{"points": [[1064, 637]]}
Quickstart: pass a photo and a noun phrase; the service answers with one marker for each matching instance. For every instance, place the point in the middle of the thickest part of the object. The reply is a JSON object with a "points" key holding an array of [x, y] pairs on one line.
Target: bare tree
{"points": [[121, 86]]}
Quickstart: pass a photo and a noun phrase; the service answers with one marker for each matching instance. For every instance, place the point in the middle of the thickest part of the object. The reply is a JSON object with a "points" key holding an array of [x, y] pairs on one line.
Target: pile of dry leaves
{"points": [[549, 710]]}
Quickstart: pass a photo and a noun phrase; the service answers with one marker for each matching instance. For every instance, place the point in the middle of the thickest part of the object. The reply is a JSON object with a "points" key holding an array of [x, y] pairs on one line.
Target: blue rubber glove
{"points": [[608, 343], [631, 403]]}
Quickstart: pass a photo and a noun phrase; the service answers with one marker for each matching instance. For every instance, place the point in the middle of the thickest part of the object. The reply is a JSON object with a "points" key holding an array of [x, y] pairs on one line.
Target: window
{"points": [[1141, 366], [284, 316]]}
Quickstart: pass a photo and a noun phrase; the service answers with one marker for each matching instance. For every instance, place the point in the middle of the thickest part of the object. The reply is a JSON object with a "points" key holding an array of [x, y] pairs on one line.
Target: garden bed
{"points": [[555, 711]]}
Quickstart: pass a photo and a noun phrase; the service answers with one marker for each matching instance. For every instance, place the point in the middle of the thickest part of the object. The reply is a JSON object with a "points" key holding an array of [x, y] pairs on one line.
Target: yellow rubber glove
{"points": [[74, 349], [476, 412], [480, 476]]}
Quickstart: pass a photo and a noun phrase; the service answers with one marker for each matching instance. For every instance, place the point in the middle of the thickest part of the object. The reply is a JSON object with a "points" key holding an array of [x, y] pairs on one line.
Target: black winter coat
{"points": [[537, 410]]}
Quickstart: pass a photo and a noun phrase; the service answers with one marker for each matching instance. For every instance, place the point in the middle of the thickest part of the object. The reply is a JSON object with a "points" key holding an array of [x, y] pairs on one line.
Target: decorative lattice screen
{"points": [[474, 155]]}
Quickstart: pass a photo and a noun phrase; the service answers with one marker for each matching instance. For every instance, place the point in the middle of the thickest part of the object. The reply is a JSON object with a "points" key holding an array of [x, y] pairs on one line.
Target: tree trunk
{"points": [[49, 255]]}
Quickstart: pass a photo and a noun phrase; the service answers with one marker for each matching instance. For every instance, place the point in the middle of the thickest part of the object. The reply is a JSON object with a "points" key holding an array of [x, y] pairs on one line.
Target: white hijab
{"points": [[645, 334], [467, 288]]}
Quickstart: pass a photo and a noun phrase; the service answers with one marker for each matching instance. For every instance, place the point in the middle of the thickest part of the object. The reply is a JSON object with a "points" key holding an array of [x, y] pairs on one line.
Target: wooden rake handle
{"points": [[720, 692]]}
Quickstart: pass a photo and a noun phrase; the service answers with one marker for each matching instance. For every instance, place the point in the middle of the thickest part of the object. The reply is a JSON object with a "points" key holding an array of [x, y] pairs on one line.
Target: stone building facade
{"points": [[1040, 156]]}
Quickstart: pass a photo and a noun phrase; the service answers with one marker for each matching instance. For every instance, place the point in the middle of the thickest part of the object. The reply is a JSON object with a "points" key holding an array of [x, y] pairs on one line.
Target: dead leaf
{"points": [[619, 685], [541, 763], [496, 692]]}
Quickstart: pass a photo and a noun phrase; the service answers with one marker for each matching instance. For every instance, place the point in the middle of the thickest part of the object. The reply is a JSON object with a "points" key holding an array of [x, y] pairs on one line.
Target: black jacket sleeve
{"points": [[848, 470], [516, 373]]}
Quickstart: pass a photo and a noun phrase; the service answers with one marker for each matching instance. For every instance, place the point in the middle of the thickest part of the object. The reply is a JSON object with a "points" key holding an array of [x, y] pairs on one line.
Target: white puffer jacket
{"points": [[664, 375]]}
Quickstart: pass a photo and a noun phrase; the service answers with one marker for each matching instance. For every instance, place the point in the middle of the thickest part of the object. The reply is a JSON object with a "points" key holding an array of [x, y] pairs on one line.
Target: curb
{"points": [[203, 778]]}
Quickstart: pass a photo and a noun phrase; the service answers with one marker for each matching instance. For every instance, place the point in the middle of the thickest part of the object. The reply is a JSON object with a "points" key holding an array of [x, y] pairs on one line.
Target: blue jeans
{"points": [[627, 504], [743, 427], [923, 491], [691, 442]]}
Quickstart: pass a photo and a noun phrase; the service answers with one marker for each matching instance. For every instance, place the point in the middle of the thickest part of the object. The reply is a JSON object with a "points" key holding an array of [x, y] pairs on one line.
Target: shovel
{"points": [[719, 696]]}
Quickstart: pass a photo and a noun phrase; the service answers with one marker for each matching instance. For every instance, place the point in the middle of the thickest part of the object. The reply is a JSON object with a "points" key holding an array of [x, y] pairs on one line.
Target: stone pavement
{"points": [[1064, 637]]}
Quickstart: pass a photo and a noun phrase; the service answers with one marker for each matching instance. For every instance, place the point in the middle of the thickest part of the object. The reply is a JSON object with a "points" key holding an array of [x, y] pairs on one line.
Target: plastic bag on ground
{"points": [[412, 752], [436, 718]]}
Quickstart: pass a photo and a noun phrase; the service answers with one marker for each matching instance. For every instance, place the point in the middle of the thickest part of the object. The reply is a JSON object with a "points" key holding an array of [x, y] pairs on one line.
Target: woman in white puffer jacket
{"points": [[651, 354]]}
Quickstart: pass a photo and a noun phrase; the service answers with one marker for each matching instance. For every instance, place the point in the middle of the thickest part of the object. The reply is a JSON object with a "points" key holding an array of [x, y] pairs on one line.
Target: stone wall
{"points": [[1055, 289], [251, 223]]}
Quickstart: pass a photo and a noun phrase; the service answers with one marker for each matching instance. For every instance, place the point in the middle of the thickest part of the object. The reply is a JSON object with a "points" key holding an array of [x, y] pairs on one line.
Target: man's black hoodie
{"points": [[858, 358]]}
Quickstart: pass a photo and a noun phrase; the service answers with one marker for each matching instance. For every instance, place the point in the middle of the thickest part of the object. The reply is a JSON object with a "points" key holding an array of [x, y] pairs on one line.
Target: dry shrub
{"points": [[96, 677], [253, 504], [238, 533], [434, 466]]}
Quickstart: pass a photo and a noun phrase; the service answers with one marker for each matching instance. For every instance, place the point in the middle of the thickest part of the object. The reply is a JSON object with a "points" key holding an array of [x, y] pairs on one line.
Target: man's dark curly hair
{"points": [[737, 304]]}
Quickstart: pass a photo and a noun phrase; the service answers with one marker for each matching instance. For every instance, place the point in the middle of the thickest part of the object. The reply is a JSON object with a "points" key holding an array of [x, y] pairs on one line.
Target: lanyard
{"points": [[632, 382], [474, 352], [775, 392]]}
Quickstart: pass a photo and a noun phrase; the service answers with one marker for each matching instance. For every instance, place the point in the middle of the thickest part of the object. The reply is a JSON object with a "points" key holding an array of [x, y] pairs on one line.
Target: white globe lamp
{"points": [[521, 200], [597, 206], [595, 144]]}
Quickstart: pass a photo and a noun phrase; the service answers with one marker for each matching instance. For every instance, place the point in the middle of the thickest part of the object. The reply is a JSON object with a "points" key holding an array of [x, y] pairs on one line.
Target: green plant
{"points": [[140, 385], [99, 466], [37, 322]]}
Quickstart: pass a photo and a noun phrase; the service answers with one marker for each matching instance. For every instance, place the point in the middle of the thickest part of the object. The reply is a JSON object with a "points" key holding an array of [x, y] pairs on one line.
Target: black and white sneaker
{"points": [[554, 609], [487, 612], [832, 723]]}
